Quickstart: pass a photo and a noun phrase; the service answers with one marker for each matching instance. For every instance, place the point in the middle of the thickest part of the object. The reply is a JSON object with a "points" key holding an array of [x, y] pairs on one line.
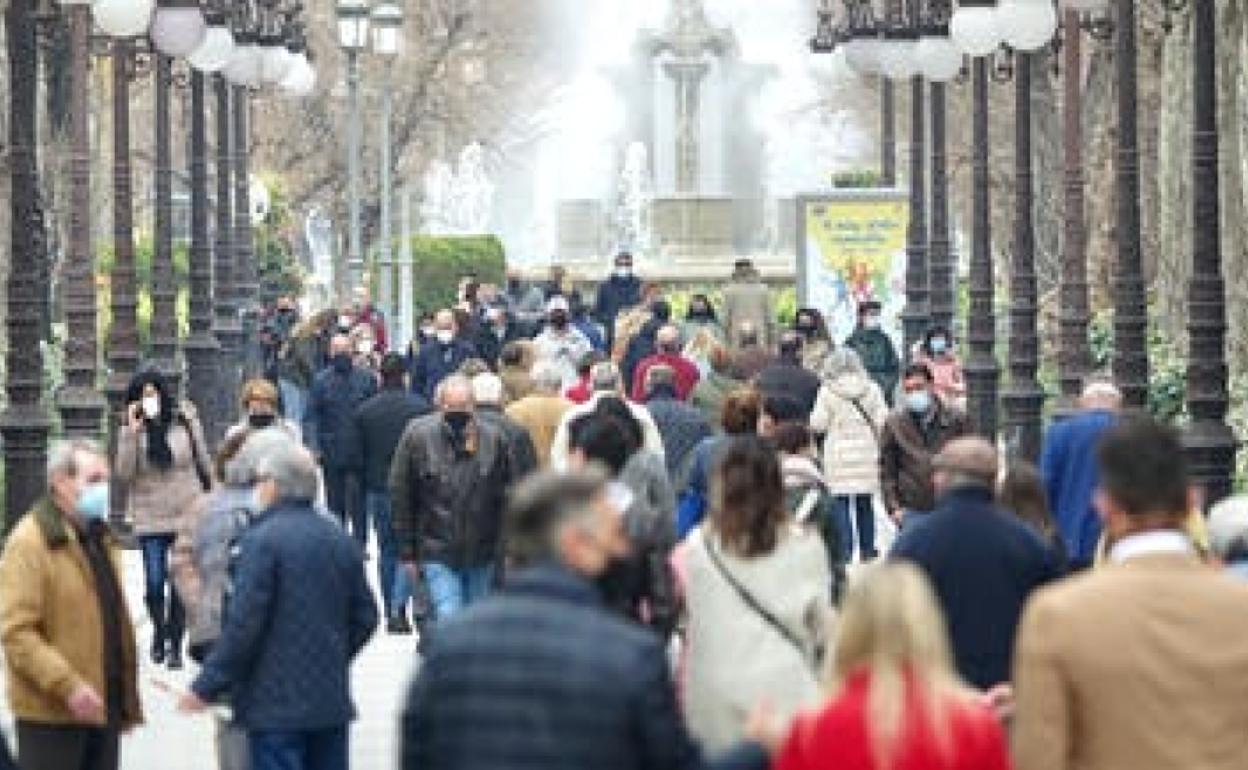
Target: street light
{"points": [[178, 28], [123, 18], [387, 34], [353, 23]]}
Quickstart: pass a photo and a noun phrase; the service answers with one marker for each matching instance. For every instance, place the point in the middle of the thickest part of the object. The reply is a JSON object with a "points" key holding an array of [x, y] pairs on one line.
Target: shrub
{"points": [[439, 262]]}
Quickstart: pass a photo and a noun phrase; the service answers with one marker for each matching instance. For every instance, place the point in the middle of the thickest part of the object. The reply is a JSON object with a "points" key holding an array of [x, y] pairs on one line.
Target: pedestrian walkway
{"points": [[172, 741]]}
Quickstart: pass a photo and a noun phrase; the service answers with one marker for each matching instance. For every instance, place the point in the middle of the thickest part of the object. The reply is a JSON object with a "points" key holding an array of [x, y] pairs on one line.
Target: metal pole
{"points": [[24, 423], [79, 402], [1211, 444], [1023, 399], [915, 317], [226, 326], [355, 257], [941, 266], [245, 270], [888, 133], [164, 325], [982, 370], [202, 348], [1130, 296], [1074, 353], [407, 286], [123, 341], [389, 298]]}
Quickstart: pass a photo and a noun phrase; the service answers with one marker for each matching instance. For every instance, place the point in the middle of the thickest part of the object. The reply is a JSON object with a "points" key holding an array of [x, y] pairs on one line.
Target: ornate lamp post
{"points": [[25, 423], [164, 325], [387, 34], [80, 404], [1211, 444], [353, 21]]}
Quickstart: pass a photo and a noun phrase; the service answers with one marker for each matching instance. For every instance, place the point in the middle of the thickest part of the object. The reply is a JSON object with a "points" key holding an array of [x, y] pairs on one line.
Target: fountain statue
{"points": [[459, 200], [686, 94]]}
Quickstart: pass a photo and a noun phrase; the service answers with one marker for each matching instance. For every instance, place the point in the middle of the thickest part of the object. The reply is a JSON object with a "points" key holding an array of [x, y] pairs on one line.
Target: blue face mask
{"points": [[92, 502], [919, 402], [939, 345]]}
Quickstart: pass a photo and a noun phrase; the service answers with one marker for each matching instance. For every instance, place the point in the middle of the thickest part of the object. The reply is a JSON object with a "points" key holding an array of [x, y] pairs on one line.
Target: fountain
{"points": [[459, 200]]}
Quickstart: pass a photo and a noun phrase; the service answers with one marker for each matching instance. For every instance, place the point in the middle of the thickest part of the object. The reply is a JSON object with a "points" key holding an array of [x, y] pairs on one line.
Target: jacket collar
{"points": [[963, 496], [56, 530], [1161, 543], [554, 581]]}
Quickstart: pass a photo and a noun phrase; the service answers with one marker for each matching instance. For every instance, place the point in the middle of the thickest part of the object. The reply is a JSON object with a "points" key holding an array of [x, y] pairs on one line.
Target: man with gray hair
{"points": [[983, 562], [448, 488], [541, 411], [606, 380], [1228, 534], [487, 391], [667, 353], [1068, 465], [683, 427], [300, 611], [546, 651], [67, 636]]}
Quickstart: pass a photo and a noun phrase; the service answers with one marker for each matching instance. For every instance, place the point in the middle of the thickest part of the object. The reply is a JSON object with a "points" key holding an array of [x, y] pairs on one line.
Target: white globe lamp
{"points": [[215, 51], [973, 27], [1027, 25], [178, 29], [938, 58], [123, 18], [245, 65]]}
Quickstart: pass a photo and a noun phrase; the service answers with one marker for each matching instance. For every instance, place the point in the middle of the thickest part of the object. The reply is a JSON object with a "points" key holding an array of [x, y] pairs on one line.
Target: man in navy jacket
{"points": [[441, 356], [543, 674], [300, 611], [983, 562]]}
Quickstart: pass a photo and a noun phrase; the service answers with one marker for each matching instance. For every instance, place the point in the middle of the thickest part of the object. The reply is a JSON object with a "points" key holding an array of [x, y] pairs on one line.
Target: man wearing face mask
{"points": [[448, 486], [561, 344], [440, 356], [329, 431], [498, 329], [620, 291], [912, 436], [67, 636], [875, 348], [548, 652]]}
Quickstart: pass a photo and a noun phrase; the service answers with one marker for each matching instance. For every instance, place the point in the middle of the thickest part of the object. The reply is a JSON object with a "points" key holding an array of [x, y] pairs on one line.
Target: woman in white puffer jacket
{"points": [[849, 413]]}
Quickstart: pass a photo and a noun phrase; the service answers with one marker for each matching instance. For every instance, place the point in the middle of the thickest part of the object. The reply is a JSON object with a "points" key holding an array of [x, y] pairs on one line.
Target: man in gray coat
{"points": [[748, 303]]}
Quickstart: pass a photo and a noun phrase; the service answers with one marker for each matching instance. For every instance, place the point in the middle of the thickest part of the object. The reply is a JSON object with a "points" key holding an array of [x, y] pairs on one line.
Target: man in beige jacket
{"points": [[747, 303], [67, 637], [1140, 664]]}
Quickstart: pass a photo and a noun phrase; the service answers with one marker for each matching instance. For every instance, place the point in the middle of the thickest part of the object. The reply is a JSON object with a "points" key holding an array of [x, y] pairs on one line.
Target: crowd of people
{"points": [[625, 539]]}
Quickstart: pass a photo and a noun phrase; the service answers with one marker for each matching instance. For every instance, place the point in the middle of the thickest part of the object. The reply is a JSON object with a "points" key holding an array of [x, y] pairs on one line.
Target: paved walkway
{"points": [[171, 741]]}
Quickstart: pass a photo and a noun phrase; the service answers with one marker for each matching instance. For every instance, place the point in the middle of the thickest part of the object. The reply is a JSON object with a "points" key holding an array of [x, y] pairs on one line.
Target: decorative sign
{"points": [[852, 248]]}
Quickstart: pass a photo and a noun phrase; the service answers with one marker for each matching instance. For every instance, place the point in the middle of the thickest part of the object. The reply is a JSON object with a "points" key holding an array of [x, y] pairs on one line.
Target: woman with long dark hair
{"points": [[163, 460], [758, 599]]}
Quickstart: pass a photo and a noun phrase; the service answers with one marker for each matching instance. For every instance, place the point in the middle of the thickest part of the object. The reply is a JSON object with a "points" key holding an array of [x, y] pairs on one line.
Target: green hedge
{"points": [[441, 261]]}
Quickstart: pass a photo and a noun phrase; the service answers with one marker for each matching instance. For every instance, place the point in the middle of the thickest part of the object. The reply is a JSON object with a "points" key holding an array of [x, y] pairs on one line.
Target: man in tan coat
{"points": [[1139, 664], [67, 637], [541, 411], [747, 302]]}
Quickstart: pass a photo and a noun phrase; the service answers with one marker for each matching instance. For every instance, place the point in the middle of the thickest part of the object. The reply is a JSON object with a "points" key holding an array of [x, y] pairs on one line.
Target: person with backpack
{"points": [[849, 413]]}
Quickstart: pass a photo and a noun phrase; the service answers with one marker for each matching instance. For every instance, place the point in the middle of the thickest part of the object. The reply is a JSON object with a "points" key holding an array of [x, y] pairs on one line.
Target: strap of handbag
{"points": [[201, 468], [754, 604], [866, 418]]}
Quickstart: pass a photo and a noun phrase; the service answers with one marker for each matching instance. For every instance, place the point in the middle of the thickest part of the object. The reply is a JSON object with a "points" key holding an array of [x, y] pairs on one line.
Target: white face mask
{"points": [[365, 347], [151, 407], [445, 336], [344, 322]]}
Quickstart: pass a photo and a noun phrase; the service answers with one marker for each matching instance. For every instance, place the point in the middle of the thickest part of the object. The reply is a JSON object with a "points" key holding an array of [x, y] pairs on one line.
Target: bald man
{"points": [[983, 562], [1068, 465], [667, 353]]}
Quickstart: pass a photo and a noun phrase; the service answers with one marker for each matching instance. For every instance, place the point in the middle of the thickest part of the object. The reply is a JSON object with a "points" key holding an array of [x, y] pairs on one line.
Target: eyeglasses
{"points": [[96, 478]]}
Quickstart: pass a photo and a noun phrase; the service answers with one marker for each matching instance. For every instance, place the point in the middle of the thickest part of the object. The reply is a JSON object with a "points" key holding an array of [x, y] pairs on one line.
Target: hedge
{"points": [[441, 261]]}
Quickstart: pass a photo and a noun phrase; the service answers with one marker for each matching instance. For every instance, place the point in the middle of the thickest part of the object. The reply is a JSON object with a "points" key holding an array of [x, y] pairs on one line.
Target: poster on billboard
{"points": [[851, 248]]}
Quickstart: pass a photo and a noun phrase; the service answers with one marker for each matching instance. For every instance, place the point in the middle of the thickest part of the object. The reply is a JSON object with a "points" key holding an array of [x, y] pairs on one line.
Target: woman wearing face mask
{"points": [[163, 460], [700, 319], [936, 351], [261, 409], [758, 599], [816, 341]]}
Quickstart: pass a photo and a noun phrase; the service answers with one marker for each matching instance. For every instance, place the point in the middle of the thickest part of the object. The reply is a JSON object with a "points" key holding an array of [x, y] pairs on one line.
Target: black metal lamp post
{"points": [[79, 401], [983, 373], [164, 324], [916, 315], [24, 424], [1211, 444], [246, 276], [202, 347]]}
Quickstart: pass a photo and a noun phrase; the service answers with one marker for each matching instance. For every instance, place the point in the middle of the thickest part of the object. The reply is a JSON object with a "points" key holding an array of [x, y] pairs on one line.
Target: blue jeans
{"points": [[864, 523], [294, 401], [393, 582], [299, 749], [451, 590], [163, 604]]}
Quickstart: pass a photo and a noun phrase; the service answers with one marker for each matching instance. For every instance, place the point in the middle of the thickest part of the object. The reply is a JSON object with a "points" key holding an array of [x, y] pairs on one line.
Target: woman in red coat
{"points": [[896, 703]]}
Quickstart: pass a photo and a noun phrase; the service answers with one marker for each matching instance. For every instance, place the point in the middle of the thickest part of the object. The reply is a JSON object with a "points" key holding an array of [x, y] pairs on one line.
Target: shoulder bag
{"points": [[813, 660]]}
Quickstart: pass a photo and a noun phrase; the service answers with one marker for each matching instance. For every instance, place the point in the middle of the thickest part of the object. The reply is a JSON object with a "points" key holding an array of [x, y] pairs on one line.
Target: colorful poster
{"points": [[852, 248]]}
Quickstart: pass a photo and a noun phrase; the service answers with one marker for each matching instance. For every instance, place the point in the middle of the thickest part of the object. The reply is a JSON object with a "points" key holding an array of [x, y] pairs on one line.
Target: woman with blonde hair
{"points": [[895, 702]]}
